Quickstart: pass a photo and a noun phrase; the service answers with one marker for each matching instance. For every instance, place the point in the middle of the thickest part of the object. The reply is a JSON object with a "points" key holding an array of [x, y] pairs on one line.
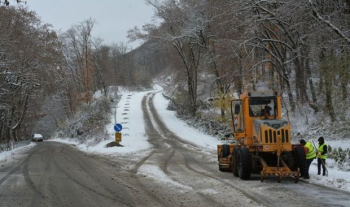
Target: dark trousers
{"points": [[319, 164], [308, 163]]}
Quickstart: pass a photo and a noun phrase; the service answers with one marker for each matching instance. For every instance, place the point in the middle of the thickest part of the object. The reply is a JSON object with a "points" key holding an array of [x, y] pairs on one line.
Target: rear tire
{"points": [[234, 161], [244, 163], [300, 160], [225, 150]]}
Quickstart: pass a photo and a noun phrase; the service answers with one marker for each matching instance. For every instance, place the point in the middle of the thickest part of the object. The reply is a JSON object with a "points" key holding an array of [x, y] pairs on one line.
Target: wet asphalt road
{"points": [[54, 174]]}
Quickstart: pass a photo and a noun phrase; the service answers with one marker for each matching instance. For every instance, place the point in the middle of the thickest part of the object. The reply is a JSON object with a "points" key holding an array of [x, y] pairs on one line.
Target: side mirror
{"points": [[237, 108]]}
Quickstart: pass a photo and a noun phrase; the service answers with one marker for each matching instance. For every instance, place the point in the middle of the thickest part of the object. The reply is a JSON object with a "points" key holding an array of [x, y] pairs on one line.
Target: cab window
{"points": [[262, 107], [237, 116]]}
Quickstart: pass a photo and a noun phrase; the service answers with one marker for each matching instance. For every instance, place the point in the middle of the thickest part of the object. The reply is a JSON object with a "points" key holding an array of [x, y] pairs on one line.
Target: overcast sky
{"points": [[113, 17]]}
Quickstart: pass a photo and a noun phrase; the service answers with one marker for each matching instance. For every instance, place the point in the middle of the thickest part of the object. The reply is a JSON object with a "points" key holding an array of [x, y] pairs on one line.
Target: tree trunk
{"points": [[300, 81], [191, 72], [329, 104], [1, 130], [192, 95], [344, 83], [320, 84], [344, 75], [219, 84], [308, 73], [290, 96]]}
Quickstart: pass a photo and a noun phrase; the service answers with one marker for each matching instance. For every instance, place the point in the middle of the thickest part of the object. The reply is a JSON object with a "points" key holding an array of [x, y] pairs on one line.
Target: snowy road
{"points": [[194, 169], [55, 174], [171, 171]]}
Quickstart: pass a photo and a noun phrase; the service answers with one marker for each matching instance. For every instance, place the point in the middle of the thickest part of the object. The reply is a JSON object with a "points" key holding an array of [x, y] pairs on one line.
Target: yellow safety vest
{"points": [[311, 151], [320, 149]]}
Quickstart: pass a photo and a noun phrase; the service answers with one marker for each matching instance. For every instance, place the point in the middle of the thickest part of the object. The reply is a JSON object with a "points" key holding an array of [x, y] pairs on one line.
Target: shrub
{"points": [[88, 126], [341, 157]]}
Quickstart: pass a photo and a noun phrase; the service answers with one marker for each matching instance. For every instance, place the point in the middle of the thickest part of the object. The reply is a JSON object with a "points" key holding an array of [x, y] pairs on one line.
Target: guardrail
{"points": [[13, 145]]}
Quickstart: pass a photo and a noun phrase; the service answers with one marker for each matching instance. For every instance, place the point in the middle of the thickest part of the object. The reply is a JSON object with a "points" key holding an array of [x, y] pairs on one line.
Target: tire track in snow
{"points": [[110, 197], [149, 110], [184, 151], [239, 185], [153, 141]]}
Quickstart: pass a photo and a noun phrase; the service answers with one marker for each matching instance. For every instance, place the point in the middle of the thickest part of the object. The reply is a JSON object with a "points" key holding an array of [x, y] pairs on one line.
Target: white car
{"points": [[37, 138]]}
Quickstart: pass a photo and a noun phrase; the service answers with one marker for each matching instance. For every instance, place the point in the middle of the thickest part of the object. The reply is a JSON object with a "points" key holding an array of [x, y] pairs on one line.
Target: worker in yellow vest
{"points": [[321, 156], [310, 153]]}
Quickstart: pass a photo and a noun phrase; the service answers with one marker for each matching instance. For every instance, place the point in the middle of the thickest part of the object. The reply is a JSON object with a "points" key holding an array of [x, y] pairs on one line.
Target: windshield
{"points": [[262, 107]]}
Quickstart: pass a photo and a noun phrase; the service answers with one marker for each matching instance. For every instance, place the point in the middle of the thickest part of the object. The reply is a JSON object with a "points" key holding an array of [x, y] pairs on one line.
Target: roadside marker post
{"points": [[118, 135]]}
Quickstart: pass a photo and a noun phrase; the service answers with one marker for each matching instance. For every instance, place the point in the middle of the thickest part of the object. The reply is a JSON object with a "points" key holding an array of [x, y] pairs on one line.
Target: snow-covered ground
{"points": [[11, 156], [336, 178], [180, 128], [129, 113]]}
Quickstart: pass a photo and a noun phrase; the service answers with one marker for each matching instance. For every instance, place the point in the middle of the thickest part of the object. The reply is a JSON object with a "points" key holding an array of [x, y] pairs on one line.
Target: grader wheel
{"points": [[244, 163], [296, 179], [279, 178]]}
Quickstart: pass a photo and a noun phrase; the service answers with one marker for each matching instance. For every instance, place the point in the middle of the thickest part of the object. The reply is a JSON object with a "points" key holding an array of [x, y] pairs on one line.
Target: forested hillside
{"points": [[47, 77], [299, 48], [198, 50]]}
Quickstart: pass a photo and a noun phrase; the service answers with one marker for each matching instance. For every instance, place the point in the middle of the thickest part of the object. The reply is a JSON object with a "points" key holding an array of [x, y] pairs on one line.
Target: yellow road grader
{"points": [[262, 141]]}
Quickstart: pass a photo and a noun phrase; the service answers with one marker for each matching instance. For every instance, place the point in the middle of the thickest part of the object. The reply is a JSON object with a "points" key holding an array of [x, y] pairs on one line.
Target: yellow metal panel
{"points": [[272, 144], [248, 123], [279, 108], [118, 137], [219, 150]]}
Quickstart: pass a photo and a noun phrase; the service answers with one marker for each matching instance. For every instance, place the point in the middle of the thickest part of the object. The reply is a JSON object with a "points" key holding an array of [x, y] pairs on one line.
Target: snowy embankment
{"points": [[9, 156], [181, 128], [336, 178], [129, 113]]}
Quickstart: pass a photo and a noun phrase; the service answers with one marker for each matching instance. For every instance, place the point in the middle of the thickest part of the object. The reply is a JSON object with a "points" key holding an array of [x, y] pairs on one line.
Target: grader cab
{"points": [[262, 141]]}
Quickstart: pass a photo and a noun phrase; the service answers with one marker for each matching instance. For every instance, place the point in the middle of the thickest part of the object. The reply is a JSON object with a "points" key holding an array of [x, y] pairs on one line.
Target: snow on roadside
{"points": [[134, 139], [130, 114], [336, 178], [159, 176], [210, 192], [344, 143], [181, 128], [12, 155]]}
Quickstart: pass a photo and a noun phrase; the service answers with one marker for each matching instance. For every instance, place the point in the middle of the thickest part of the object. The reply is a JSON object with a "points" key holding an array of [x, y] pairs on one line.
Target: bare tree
{"points": [[28, 55], [77, 50], [183, 35]]}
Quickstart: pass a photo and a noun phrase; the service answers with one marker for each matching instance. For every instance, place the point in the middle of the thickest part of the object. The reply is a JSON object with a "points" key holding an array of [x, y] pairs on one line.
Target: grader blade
{"points": [[280, 172]]}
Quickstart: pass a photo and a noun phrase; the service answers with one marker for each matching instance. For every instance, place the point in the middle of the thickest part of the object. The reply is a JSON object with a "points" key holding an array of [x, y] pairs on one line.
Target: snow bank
{"points": [[336, 178], [11, 155], [130, 115], [180, 128], [158, 175]]}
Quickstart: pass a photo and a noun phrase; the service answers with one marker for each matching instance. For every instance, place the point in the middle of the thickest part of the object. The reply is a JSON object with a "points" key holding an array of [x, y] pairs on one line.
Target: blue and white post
{"points": [[118, 136]]}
